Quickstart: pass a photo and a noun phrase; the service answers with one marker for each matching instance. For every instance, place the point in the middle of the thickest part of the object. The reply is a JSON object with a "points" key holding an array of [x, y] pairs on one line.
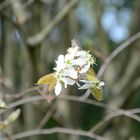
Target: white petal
{"points": [[58, 88], [69, 56], [81, 53], [76, 48], [65, 85], [85, 69], [79, 61], [86, 86], [60, 59], [74, 74], [68, 81], [60, 63], [101, 84], [71, 72], [77, 84], [89, 82], [85, 81]]}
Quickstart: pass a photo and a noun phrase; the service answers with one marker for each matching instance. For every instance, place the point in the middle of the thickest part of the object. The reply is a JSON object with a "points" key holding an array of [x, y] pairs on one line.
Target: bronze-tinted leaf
{"points": [[97, 93], [48, 79], [91, 75]]}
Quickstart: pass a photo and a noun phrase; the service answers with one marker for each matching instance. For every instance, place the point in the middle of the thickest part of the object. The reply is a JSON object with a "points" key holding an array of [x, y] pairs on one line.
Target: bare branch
{"points": [[134, 111], [56, 130], [6, 3], [104, 121], [46, 117], [48, 28], [23, 93], [64, 97], [128, 113], [119, 49]]}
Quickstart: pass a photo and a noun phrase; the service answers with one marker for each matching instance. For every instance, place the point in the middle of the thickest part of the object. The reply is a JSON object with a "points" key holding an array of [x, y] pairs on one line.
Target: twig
{"points": [[23, 101], [119, 49], [39, 98], [56, 130], [6, 3], [64, 97], [23, 93], [116, 112], [46, 30], [134, 111], [127, 113], [104, 121], [45, 118]]}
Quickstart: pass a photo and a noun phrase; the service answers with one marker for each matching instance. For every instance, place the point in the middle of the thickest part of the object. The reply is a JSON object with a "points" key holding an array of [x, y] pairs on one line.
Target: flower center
{"points": [[68, 62]]}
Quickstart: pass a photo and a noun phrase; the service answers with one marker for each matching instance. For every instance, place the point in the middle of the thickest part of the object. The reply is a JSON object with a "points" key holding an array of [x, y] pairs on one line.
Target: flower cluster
{"points": [[72, 67]]}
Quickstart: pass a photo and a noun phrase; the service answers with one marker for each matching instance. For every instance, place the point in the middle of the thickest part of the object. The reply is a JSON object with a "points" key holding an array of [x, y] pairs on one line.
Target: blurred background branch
{"points": [[32, 35]]}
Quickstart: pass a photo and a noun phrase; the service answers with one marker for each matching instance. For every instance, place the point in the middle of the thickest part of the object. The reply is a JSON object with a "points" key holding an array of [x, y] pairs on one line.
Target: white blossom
{"points": [[71, 72], [64, 78], [85, 68], [69, 67]]}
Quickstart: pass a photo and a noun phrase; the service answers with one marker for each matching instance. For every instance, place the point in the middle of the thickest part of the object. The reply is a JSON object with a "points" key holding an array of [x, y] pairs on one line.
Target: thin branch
{"points": [[119, 49], [40, 98], [6, 3], [135, 111], [108, 118], [23, 93], [46, 117], [64, 97], [56, 130], [48, 28], [127, 113], [104, 121]]}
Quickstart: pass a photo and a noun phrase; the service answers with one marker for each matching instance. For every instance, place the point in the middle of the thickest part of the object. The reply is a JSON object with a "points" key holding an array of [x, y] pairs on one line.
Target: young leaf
{"points": [[91, 75], [48, 79], [97, 93], [13, 116], [3, 105]]}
